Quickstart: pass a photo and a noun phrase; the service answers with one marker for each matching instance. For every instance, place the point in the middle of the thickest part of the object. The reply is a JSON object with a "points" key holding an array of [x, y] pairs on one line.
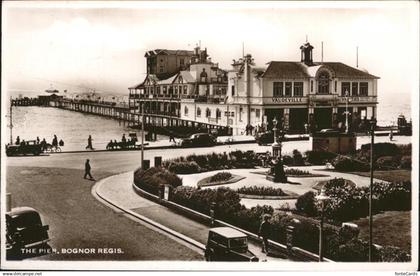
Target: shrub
{"points": [[405, 162], [405, 149], [297, 158], [387, 162], [250, 219], [306, 204], [394, 196], [151, 179], [348, 164], [381, 149], [184, 167], [296, 172], [288, 160], [393, 254], [263, 191], [221, 176], [319, 157]]}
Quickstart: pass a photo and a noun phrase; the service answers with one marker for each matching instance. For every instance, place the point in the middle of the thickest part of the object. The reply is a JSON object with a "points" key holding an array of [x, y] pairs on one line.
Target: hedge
{"points": [[319, 157], [151, 179]]}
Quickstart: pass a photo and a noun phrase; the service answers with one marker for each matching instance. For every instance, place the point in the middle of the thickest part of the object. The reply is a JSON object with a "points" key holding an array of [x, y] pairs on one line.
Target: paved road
{"points": [[78, 220]]}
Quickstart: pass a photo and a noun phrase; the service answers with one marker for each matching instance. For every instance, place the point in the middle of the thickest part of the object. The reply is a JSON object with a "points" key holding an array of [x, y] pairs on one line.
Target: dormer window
{"points": [[203, 76], [324, 83]]}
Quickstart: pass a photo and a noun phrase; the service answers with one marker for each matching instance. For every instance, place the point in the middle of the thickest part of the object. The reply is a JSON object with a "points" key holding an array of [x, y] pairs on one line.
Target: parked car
{"points": [[228, 244], [24, 229], [264, 137], [30, 147], [199, 140]]}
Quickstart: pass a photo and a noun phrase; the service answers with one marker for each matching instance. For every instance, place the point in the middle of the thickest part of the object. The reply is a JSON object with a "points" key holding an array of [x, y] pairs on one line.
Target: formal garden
{"points": [[348, 201]]}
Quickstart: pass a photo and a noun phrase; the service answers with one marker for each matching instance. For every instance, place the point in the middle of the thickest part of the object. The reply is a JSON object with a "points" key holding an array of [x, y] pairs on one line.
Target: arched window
{"points": [[198, 112], [218, 113], [186, 111], [324, 83], [208, 113]]}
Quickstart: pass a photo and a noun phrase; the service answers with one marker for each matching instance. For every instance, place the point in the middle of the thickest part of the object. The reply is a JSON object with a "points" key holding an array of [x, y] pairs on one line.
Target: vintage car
{"points": [[199, 140], [29, 147], [263, 138], [24, 229], [226, 244]]}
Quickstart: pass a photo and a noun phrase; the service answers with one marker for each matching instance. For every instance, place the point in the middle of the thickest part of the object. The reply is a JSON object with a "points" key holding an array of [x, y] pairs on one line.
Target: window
{"points": [[363, 89], [277, 89], [233, 90], [345, 87], [164, 90], [312, 85], [198, 112], [218, 113], [288, 89], [181, 61], [161, 69], [158, 90], [185, 89], [257, 113], [335, 86], [354, 88], [298, 89], [176, 90], [208, 113], [186, 111], [324, 83]]}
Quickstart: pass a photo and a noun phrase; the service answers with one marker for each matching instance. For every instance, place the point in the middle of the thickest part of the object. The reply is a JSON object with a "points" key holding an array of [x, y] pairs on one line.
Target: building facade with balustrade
{"points": [[304, 95]]}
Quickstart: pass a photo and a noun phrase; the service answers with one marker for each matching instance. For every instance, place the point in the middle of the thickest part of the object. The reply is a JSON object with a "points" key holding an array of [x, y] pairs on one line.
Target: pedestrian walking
{"points": [[123, 139], [17, 141], [37, 139], [61, 143], [391, 135], [87, 170], [171, 138], [55, 141], [89, 145], [43, 144], [264, 232]]}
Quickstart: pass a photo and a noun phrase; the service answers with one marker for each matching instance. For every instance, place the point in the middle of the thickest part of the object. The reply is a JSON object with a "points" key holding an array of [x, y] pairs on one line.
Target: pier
{"points": [[165, 123]]}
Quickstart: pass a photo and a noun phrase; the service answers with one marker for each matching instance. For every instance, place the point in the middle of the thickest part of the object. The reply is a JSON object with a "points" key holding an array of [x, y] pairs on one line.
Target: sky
{"points": [[96, 45]]}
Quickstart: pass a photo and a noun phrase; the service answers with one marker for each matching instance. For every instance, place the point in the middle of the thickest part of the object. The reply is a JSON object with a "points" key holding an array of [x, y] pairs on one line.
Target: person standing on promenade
{"points": [[37, 139], [87, 170], [17, 140], [264, 232], [89, 145], [123, 139], [55, 141]]}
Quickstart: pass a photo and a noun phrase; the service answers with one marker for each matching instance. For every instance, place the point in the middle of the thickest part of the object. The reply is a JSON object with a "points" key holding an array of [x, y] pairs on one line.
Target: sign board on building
{"points": [[230, 114]]}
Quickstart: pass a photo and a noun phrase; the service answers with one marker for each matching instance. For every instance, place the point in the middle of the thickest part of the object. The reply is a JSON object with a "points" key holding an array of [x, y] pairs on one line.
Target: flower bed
{"points": [[262, 191], [210, 162]]}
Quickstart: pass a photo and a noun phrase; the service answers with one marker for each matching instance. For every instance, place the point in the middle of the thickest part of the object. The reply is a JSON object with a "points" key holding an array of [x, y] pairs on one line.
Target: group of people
{"points": [[44, 145]]}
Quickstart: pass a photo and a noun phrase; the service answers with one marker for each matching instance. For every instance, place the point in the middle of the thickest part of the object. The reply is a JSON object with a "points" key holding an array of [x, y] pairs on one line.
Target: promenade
{"points": [[118, 191]]}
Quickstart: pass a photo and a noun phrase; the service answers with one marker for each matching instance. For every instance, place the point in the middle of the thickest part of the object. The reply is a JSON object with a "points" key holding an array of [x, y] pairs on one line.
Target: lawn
{"points": [[389, 228], [391, 176]]}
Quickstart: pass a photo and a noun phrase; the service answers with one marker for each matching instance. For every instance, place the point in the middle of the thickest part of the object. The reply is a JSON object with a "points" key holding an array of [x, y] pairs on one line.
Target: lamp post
{"points": [[372, 133], [322, 198], [142, 133], [347, 111]]}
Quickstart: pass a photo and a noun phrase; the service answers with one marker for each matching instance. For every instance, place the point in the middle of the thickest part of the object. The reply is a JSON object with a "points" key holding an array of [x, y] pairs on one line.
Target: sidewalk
{"points": [[118, 191]]}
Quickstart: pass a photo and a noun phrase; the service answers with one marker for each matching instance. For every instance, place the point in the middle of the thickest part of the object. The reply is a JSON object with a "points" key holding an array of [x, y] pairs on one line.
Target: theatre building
{"points": [[303, 95], [188, 89]]}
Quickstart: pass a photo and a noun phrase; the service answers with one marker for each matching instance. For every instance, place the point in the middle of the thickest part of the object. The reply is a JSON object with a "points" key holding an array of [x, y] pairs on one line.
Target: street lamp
{"points": [[347, 110], [372, 133], [322, 198]]}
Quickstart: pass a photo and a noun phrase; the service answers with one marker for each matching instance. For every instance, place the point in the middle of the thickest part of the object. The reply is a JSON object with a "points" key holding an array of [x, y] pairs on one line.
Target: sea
{"points": [[74, 128]]}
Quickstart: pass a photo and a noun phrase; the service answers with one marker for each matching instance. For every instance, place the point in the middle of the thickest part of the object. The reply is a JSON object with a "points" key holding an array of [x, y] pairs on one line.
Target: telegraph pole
{"points": [[10, 122]]}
